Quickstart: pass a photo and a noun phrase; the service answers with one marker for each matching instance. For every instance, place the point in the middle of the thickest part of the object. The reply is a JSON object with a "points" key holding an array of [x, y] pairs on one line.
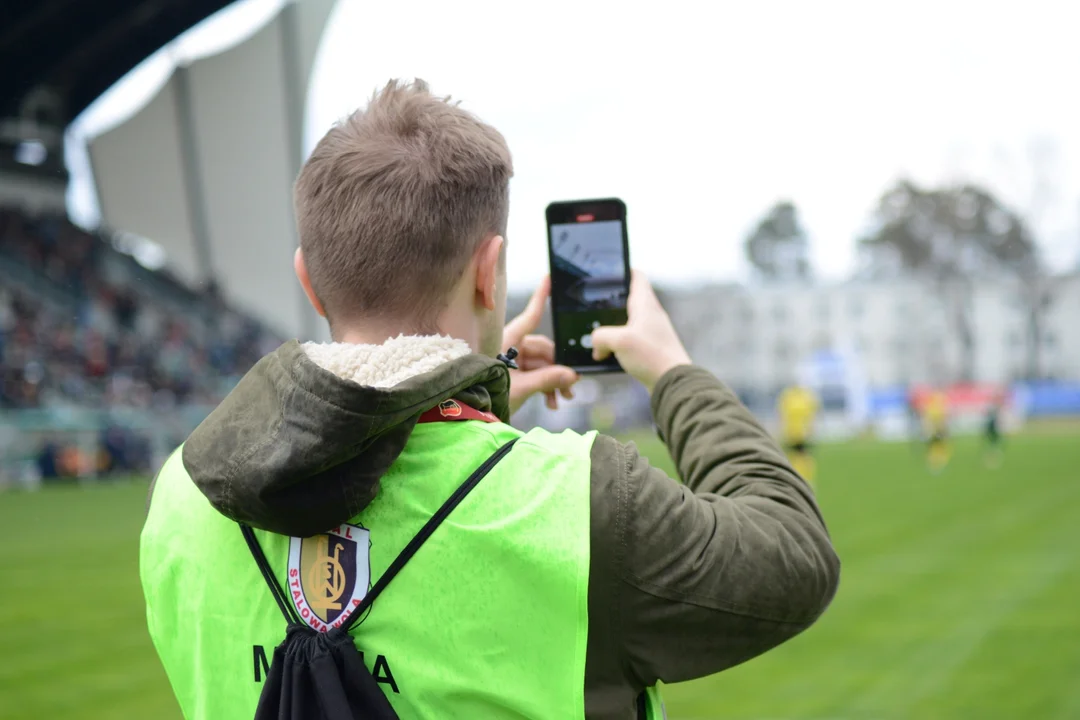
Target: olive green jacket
{"points": [[686, 579]]}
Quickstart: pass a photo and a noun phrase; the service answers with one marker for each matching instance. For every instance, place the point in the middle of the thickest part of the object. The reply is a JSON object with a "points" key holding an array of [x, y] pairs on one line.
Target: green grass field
{"points": [[960, 598]]}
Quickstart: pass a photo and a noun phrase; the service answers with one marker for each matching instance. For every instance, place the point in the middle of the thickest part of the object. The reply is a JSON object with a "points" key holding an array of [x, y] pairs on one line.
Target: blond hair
{"points": [[394, 200]]}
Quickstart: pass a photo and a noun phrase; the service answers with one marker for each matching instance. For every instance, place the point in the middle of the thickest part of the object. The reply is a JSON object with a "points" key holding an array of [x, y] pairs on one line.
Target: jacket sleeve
{"points": [[703, 575]]}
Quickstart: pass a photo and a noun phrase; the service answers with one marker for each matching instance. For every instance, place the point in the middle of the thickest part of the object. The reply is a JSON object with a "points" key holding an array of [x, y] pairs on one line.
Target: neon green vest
{"points": [[489, 619]]}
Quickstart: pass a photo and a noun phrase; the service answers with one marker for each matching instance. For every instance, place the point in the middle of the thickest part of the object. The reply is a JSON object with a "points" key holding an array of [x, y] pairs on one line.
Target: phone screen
{"points": [[590, 277]]}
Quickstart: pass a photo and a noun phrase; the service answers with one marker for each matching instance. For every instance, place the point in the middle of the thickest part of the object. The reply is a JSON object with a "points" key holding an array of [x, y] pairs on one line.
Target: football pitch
{"points": [[959, 597]]}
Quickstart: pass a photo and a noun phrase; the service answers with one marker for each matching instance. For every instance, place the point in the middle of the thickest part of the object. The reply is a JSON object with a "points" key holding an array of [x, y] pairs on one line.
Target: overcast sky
{"points": [[700, 115]]}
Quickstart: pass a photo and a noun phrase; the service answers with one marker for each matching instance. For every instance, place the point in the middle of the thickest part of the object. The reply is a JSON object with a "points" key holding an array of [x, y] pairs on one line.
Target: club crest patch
{"points": [[329, 575], [449, 408]]}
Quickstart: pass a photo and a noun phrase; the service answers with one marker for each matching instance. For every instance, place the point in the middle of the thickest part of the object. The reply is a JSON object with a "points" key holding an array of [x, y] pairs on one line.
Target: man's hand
{"points": [[647, 346], [536, 357]]}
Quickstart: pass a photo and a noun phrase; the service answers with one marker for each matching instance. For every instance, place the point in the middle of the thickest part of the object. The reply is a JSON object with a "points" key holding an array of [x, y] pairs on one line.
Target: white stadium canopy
{"points": [[206, 168]]}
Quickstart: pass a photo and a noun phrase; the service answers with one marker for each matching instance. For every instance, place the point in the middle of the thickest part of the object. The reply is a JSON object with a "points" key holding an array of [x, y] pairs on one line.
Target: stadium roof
{"points": [[80, 48]]}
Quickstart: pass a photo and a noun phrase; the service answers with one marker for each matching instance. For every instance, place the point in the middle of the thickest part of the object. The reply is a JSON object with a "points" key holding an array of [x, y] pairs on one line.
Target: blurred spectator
{"points": [[97, 338]]}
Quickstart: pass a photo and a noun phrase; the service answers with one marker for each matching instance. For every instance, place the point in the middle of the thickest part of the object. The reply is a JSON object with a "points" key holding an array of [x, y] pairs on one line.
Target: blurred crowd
{"points": [[83, 324]]}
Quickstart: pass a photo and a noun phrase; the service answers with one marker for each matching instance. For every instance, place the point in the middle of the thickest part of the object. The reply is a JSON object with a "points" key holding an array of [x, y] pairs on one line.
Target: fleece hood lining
{"points": [[303, 440], [384, 366]]}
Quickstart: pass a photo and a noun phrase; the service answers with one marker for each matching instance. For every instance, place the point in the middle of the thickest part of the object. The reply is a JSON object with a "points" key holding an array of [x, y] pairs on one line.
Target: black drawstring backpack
{"points": [[321, 676]]}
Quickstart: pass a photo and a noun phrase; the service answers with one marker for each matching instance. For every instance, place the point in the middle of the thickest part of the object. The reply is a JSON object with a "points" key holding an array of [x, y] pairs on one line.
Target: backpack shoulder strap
{"points": [[425, 532], [268, 575], [399, 562]]}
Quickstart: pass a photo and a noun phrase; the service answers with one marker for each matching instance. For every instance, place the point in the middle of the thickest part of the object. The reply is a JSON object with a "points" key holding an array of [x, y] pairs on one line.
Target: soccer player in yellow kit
{"points": [[936, 424], [797, 406]]}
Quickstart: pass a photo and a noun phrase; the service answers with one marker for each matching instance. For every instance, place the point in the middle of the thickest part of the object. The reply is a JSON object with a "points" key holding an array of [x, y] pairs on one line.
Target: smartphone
{"points": [[589, 252]]}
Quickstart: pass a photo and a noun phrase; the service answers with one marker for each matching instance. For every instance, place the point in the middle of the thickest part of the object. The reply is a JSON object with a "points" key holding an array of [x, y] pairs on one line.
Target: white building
{"points": [[1062, 337], [900, 331]]}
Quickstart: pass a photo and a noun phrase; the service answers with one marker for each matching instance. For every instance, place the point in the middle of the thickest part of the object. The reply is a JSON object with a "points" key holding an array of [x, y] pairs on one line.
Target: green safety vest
{"points": [[488, 620]]}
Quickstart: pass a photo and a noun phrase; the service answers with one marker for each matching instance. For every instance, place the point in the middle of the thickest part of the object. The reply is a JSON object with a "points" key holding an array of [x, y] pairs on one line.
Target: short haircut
{"points": [[394, 201]]}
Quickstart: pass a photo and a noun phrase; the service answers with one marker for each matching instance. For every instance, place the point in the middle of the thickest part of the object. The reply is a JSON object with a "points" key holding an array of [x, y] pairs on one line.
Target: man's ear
{"points": [[487, 271], [305, 282]]}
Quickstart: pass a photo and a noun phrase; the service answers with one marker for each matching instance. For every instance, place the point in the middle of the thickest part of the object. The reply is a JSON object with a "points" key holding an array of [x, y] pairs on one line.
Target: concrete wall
{"points": [[34, 194]]}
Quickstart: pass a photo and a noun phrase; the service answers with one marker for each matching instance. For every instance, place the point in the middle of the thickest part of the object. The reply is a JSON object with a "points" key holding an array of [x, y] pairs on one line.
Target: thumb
{"points": [[545, 380], [607, 340], [529, 318]]}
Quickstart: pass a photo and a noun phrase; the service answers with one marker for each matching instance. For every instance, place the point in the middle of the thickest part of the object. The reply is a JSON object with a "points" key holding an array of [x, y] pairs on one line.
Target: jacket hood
{"points": [[300, 444]]}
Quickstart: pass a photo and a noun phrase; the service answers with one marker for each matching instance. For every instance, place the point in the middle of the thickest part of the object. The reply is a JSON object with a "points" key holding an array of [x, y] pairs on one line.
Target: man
{"points": [[566, 583], [797, 406], [916, 430], [992, 448], [936, 419]]}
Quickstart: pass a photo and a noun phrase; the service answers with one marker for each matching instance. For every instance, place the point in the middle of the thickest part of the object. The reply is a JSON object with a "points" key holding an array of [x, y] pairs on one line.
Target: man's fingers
{"points": [[536, 351], [640, 281], [529, 318], [551, 401], [641, 291], [550, 379], [605, 341]]}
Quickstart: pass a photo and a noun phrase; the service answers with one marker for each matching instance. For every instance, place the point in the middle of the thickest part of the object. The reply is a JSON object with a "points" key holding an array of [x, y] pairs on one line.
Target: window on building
{"points": [[1049, 341], [779, 313], [823, 310], [855, 307]]}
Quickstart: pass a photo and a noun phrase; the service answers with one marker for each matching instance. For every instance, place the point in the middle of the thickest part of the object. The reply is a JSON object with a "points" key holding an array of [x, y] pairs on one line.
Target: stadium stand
{"points": [[83, 325], [105, 365]]}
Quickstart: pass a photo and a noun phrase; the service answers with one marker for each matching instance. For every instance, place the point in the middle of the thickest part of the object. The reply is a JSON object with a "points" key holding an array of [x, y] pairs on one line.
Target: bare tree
{"points": [[950, 237], [778, 247]]}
